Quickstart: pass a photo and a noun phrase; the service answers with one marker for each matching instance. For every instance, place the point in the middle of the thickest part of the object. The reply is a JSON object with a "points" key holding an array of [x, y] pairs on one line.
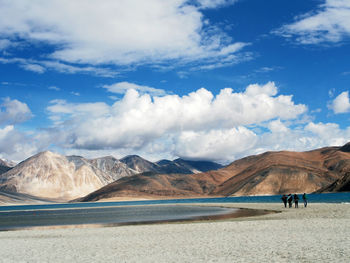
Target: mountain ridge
{"points": [[280, 172], [51, 175]]}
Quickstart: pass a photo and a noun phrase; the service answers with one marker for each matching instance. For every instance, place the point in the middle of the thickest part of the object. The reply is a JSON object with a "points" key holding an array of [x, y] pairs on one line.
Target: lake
{"points": [[312, 198], [134, 212]]}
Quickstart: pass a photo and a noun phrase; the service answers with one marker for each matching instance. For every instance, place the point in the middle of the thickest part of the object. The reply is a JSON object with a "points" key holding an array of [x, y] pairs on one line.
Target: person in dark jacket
{"points": [[296, 200], [290, 200], [284, 200], [305, 200]]}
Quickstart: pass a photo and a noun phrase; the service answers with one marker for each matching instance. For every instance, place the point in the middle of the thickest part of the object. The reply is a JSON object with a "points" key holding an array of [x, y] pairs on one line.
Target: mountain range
{"points": [[54, 176], [281, 172]]}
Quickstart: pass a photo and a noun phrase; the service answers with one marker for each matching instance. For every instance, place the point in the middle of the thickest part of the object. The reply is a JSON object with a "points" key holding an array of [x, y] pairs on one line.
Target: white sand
{"points": [[320, 233]]}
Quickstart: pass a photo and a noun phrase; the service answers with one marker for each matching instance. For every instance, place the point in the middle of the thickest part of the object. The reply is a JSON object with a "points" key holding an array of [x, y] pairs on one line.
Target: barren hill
{"points": [[50, 175], [267, 173]]}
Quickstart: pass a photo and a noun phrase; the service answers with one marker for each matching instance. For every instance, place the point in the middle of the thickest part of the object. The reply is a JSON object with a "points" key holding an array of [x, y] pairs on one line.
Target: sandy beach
{"points": [[319, 233]]}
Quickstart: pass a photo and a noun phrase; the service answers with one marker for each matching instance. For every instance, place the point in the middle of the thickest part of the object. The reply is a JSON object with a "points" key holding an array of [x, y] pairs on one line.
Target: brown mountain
{"points": [[267, 173], [340, 185], [343, 183]]}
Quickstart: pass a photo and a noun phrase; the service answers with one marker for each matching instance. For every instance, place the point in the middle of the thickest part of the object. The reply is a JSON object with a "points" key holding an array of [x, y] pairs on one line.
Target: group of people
{"points": [[290, 198]]}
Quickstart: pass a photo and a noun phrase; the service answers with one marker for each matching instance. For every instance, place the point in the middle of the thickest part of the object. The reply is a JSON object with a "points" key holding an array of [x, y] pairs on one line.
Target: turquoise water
{"points": [[312, 198]]}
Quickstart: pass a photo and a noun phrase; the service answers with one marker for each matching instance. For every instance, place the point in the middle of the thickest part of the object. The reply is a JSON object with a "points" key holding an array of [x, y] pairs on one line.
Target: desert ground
{"points": [[318, 233]]}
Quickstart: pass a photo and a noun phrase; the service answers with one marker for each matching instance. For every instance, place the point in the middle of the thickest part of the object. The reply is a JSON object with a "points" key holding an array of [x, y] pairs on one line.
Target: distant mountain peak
{"points": [[345, 148], [132, 156]]}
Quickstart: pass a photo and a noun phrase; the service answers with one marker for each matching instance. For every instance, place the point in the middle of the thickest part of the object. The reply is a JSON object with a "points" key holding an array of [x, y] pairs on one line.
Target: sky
{"points": [[194, 79]]}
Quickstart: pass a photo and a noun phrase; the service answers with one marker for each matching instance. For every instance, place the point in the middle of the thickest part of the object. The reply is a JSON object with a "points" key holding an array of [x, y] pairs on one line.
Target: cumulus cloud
{"points": [[327, 131], [329, 24], [199, 126], [123, 87], [341, 104], [138, 121], [15, 144], [134, 31], [13, 112], [300, 138], [223, 144]]}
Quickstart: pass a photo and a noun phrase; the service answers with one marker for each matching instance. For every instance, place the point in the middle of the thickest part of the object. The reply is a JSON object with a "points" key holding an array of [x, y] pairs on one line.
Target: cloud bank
{"points": [[198, 126], [123, 32]]}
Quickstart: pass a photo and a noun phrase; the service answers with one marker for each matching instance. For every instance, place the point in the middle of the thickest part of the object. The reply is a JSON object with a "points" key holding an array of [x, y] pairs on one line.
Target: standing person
{"points": [[284, 200], [296, 200], [305, 200], [290, 200]]}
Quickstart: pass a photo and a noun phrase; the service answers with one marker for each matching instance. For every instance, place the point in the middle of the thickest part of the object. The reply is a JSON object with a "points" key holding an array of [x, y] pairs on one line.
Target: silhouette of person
{"points": [[296, 200], [290, 200], [305, 200], [284, 200]]}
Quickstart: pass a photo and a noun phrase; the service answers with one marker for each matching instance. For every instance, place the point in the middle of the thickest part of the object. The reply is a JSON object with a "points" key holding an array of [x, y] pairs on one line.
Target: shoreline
{"points": [[318, 233], [113, 213]]}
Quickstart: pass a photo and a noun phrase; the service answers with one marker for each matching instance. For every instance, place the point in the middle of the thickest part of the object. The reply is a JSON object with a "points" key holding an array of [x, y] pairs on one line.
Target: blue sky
{"points": [[204, 80]]}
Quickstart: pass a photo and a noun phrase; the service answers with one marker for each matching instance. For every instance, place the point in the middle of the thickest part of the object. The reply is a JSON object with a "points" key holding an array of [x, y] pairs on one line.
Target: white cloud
{"points": [[214, 3], [17, 146], [34, 67], [61, 107], [140, 121], [277, 127], [199, 125], [298, 138], [341, 103], [123, 87], [329, 24], [329, 133], [13, 111], [40, 66], [120, 32], [222, 145]]}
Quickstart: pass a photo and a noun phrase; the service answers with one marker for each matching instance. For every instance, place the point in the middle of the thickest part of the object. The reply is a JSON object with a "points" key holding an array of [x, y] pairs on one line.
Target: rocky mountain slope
{"points": [[50, 175], [112, 166], [178, 166], [343, 183], [5, 166], [139, 164], [267, 173]]}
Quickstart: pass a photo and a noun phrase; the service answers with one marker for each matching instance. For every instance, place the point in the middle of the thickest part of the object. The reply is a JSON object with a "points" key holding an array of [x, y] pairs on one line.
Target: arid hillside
{"points": [[268, 173], [50, 175]]}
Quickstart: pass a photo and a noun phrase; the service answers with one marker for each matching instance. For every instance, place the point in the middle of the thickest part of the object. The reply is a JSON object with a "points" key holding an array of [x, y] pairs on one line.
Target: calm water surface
{"points": [[23, 216], [10, 220], [312, 198]]}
